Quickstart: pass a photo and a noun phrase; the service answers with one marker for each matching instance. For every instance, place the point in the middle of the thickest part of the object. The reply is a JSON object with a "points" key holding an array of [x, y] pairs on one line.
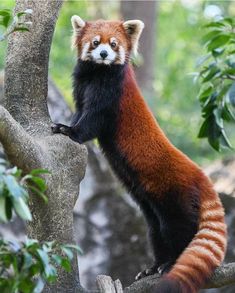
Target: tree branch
{"points": [[21, 149], [223, 276], [27, 137]]}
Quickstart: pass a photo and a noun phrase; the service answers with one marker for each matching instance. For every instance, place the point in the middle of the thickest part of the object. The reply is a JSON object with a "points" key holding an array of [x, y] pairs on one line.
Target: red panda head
{"points": [[106, 42]]}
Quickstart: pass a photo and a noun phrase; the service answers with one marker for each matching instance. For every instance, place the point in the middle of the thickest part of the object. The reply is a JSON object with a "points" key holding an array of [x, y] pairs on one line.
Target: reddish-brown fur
{"points": [[160, 165], [105, 29]]}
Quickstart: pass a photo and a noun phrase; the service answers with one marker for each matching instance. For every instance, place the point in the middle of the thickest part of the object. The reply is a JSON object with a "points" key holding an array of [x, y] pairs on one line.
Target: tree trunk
{"points": [[26, 135], [147, 12]]}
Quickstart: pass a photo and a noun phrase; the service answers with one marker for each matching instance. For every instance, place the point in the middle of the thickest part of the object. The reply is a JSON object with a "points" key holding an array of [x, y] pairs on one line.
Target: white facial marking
{"points": [[85, 48], [113, 40], [103, 47], [96, 38]]}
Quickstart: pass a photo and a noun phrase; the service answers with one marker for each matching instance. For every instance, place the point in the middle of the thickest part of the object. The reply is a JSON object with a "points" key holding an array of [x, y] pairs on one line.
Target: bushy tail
{"points": [[205, 252]]}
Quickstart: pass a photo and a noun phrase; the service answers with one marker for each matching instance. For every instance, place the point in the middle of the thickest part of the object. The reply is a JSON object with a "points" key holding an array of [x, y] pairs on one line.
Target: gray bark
{"points": [[224, 275], [26, 135]]}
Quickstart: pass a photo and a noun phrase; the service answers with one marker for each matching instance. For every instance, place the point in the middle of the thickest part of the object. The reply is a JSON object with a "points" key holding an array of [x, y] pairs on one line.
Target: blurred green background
{"points": [[178, 46]]}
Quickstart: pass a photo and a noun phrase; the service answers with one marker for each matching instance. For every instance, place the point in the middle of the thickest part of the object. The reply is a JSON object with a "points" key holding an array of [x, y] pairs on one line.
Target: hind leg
{"points": [[163, 262], [160, 250]]}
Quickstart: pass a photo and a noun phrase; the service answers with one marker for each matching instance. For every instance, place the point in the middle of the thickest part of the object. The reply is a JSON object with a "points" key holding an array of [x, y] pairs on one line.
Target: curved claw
{"points": [[147, 272], [61, 128], [164, 268], [55, 128]]}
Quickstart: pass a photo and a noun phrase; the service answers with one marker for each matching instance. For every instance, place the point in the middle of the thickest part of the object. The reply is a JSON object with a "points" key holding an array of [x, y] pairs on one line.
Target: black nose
{"points": [[103, 54]]}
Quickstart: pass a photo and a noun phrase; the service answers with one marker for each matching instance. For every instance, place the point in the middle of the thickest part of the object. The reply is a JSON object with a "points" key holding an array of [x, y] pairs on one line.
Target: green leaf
{"points": [[26, 285], [40, 183], [57, 259], [22, 209], [3, 162], [66, 264], [229, 71], [231, 94], [214, 135], [27, 260], [68, 252], [205, 93], [212, 73], [76, 247], [31, 242], [224, 140], [229, 20], [223, 91], [227, 113], [21, 29], [13, 186], [27, 11], [217, 52], [39, 286], [36, 172], [218, 119], [3, 215], [9, 208], [213, 33], [218, 41], [5, 17], [38, 192], [216, 24]]}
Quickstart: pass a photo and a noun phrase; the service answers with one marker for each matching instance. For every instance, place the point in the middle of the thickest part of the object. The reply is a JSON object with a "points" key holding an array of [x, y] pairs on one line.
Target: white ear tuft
{"points": [[77, 24], [134, 29]]}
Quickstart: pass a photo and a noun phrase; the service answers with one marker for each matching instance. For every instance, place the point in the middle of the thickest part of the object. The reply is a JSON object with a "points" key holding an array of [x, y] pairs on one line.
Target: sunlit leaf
{"points": [[3, 215], [22, 209], [218, 41], [38, 192], [39, 286], [212, 72], [14, 188], [36, 172], [68, 252], [224, 140], [231, 94], [21, 29], [73, 246]]}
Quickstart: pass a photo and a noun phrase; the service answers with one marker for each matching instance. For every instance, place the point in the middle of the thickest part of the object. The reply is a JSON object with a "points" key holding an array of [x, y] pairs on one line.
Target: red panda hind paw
{"points": [[165, 268], [60, 128], [147, 272]]}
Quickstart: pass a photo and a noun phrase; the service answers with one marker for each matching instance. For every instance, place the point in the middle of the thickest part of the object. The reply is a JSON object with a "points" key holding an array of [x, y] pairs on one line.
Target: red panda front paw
{"points": [[60, 128], [148, 272]]}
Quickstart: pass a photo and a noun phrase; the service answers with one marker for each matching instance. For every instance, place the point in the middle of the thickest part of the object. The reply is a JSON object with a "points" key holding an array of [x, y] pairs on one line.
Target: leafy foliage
{"points": [[217, 77], [12, 23], [14, 191], [26, 267]]}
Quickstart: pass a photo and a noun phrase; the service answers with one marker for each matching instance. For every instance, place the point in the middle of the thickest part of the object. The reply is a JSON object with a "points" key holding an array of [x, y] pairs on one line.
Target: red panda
{"points": [[184, 214]]}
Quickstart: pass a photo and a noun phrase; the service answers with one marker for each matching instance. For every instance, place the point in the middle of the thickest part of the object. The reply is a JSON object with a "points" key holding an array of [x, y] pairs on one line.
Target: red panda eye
{"points": [[113, 44], [95, 43]]}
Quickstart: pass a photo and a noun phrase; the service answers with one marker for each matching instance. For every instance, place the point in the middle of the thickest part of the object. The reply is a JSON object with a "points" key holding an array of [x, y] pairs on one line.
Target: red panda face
{"points": [[106, 42]]}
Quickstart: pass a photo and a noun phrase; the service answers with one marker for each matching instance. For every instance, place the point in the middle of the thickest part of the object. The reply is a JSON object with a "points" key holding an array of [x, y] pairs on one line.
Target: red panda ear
{"points": [[77, 24], [134, 29]]}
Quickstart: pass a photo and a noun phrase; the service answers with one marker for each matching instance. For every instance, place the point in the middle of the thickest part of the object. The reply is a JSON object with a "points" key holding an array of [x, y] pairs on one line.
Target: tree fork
{"points": [[25, 133]]}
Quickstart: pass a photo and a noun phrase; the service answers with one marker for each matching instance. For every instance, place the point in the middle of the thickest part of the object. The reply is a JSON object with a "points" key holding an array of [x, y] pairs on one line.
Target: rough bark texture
{"points": [[26, 135], [147, 12], [224, 275]]}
